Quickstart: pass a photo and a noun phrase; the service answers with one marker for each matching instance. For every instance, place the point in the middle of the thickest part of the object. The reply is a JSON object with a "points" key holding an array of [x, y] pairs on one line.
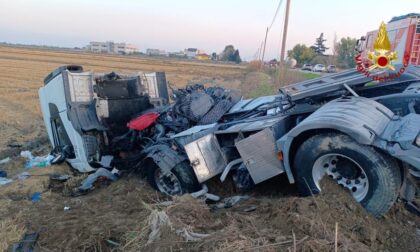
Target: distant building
{"points": [[202, 56], [156, 52], [124, 48], [191, 52], [111, 47], [180, 54]]}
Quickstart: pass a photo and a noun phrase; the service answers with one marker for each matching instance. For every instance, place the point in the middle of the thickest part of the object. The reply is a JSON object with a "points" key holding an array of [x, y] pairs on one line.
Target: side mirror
{"points": [[360, 44]]}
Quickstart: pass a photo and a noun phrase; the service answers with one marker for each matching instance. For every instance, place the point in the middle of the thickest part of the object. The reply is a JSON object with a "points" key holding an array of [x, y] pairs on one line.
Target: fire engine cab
{"points": [[404, 34]]}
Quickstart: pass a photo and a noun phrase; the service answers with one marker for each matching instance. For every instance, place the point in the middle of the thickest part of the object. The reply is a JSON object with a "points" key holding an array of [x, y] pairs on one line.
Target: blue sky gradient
{"points": [[206, 24]]}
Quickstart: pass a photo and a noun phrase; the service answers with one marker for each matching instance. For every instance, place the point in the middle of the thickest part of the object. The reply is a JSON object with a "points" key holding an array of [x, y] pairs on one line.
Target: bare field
{"points": [[22, 72], [129, 216]]}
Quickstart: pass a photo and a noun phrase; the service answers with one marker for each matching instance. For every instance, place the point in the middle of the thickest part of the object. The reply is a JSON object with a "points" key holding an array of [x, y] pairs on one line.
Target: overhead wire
{"points": [[268, 29], [270, 26], [275, 15]]}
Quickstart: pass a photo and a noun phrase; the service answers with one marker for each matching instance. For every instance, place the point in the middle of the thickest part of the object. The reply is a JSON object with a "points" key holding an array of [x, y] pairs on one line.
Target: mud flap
{"points": [[408, 193], [164, 156]]}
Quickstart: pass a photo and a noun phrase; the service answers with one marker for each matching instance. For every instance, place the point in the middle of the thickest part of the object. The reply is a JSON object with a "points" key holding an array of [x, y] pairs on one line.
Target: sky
{"points": [[209, 25]]}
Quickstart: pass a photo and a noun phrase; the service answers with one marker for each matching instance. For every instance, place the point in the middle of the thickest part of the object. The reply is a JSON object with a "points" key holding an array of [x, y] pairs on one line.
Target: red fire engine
{"points": [[404, 34]]}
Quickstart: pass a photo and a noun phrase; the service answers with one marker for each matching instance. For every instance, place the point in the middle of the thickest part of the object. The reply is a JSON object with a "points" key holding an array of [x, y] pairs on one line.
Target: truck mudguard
{"points": [[358, 117], [164, 156]]}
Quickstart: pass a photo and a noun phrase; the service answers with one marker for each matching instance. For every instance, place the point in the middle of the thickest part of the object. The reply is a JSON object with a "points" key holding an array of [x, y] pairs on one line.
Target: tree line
{"points": [[343, 53]]}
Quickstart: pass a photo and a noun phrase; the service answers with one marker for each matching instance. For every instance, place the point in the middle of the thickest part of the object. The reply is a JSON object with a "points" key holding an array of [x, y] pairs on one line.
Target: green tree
{"points": [[301, 53], [319, 46], [230, 54], [236, 57], [214, 56], [346, 52], [320, 59]]}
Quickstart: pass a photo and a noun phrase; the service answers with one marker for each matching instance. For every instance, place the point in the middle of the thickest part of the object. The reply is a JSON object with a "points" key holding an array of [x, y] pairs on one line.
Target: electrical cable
{"points": [[275, 15]]}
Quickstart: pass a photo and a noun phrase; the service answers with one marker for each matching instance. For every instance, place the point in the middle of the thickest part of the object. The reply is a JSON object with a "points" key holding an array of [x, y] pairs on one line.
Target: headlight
{"points": [[418, 141]]}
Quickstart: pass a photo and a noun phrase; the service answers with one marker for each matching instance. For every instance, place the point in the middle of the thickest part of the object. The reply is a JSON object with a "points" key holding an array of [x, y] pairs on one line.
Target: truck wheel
{"points": [[181, 179], [373, 179]]}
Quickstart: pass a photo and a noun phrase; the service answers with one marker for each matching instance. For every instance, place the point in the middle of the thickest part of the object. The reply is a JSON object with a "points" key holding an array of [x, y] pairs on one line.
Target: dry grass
{"points": [[254, 65], [11, 231], [22, 72]]}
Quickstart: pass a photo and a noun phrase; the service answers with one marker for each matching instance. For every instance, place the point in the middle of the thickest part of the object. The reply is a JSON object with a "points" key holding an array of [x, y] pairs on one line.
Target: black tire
{"points": [[182, 171], [382, 172]]}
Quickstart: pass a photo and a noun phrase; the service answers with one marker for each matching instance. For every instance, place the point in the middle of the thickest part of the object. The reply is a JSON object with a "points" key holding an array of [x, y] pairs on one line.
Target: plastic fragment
{"points": [[36, 197], [190, 236], [23, 175], [39, 161], [5, 160], [3, 174], [4, 181]]}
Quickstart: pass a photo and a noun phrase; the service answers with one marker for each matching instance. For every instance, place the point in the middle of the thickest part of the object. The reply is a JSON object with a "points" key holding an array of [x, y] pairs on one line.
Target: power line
{"points": [[263, 45], [275, 15], [268, 29]]}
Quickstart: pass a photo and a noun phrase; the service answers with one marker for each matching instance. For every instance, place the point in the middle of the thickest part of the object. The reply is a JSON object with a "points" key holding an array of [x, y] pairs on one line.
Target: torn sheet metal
{"points": [[250, 104], [250, 125]]}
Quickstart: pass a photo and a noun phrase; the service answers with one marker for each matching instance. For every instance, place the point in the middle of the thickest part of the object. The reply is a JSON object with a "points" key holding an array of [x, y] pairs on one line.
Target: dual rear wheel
{"points": [[373, 178]]}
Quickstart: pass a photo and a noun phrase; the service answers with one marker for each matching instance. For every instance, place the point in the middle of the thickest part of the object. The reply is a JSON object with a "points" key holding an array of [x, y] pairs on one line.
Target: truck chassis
{"points": [[362, 134]]}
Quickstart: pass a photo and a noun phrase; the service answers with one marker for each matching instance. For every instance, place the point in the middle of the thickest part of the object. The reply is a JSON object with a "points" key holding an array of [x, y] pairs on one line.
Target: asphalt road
{"points": [[304, 71]]}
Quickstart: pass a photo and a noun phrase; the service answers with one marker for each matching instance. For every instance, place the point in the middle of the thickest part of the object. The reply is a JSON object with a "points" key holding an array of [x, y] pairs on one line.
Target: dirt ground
{"points": [[130, 216], [122, 217]]}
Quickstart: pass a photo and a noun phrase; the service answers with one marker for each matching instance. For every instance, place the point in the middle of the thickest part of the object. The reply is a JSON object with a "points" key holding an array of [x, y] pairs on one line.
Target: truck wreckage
{"points": [[362, 134]]}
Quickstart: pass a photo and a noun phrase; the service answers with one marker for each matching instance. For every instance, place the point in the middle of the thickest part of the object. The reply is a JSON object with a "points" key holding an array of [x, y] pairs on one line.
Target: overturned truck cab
{"points": [[84, 111]]}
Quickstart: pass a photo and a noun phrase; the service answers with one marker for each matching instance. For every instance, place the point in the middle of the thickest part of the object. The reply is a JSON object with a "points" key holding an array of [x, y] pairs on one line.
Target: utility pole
{"points": [[265, 42], [258, 53], [283, 43]]}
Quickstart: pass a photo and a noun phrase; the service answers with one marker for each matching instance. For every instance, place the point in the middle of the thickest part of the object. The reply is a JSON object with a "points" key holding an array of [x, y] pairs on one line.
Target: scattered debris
{"points": [[54, 176], [27, 244], [5, 160], [190, 236], [40, 161], [23, 175], [59, 177], [3, 174], [14, 145], [230, 201], [112, 243], [36, 197], [204, 193], [3, 178], [157, 219], [100, 174], [249, 209], [4, 181]]}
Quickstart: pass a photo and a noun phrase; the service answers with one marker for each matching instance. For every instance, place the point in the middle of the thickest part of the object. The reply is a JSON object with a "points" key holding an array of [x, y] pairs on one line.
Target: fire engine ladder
{"points": [[415, 49]]}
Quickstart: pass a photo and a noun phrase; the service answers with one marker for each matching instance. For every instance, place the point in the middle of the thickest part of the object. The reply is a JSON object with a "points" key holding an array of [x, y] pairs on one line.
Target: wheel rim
{"points": [[167, 182], [344, 171]]}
